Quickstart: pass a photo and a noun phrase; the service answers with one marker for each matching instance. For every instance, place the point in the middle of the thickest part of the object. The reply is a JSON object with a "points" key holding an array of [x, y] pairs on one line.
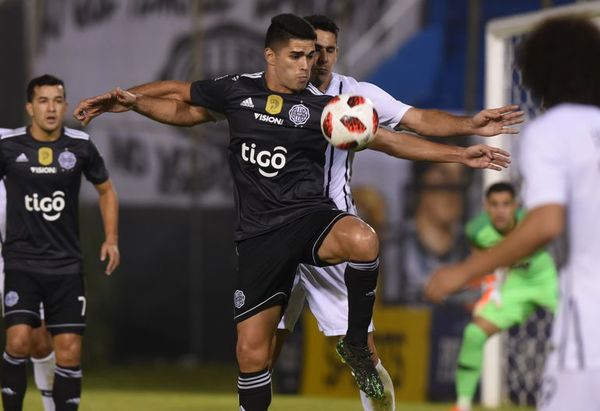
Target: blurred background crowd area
{"points": [[170, 301]]}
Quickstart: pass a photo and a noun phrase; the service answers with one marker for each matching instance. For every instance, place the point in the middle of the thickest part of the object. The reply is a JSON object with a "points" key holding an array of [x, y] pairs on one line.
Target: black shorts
{"points": [[63, 296], [267, 264]]}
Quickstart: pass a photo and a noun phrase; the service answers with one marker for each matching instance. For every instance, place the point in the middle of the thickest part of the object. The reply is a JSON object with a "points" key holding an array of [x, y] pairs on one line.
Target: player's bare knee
{"points": [[68, 349], [41, 346], [364, 244], [252, 356], [19, 345]]}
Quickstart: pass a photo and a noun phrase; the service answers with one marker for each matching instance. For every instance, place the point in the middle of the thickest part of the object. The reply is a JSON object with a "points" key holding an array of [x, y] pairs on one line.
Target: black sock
{"points": [[66, 391], [14, 382], [361, 280], [254, 390]]}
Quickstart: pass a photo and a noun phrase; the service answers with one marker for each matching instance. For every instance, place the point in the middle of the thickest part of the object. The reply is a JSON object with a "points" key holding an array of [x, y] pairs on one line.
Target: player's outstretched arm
{"points": [[92, 107], [173, 89], [489, 122], [165, 110], [109, 209], [539, 227], [403, 145]]}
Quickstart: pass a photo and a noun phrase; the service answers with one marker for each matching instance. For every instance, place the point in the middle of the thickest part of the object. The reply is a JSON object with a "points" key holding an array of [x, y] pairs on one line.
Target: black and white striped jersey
{"points": [[42, 182], [276, 149], [338, 166]]}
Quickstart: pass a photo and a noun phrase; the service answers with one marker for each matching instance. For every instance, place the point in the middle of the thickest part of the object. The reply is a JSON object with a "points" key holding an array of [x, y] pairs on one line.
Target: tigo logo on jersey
{"points": [[45, 156], [265, 159], [50, 207], [274, 104]]}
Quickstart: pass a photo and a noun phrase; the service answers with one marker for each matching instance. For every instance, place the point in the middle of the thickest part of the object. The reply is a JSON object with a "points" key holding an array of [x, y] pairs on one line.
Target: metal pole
{"points": [[472, 56]]}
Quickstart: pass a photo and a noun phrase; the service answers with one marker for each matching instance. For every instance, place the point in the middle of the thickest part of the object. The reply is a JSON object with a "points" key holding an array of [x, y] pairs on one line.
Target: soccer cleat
{"points": [[361, 365], [457, 408]]}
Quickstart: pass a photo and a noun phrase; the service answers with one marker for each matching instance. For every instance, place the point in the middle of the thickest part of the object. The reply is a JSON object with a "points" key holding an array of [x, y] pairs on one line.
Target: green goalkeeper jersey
{"points": [[482, 234]]}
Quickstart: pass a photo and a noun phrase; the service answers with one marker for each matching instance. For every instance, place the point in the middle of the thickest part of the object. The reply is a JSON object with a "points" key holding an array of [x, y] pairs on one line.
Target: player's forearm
{"points": [[539, 227], [177, 90], [109, 209], [409, 147], [170, 111], [437, 123]]}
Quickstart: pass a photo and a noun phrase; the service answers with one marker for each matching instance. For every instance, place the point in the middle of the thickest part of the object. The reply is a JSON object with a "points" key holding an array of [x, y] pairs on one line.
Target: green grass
{"points": [[207, 389]]}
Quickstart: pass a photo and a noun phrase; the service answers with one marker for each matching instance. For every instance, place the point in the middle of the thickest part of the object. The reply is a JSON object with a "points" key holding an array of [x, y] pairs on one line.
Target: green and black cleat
{"points": [[360, 363]]}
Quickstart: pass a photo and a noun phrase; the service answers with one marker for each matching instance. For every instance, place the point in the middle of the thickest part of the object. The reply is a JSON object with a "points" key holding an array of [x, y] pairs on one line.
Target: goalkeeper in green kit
{"points": [[529, 284]]}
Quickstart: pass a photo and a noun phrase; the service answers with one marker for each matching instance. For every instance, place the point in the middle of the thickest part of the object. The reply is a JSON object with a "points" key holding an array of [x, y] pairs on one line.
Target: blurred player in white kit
{"points": [[560, 164]]}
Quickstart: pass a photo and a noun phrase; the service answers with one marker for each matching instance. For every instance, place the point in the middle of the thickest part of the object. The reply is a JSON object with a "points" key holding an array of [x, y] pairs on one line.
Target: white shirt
{"points": [[560, 162], [338, 166]]}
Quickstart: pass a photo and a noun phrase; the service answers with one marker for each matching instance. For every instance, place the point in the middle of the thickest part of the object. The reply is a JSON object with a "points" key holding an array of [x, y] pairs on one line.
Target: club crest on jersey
{"points": [[239, 299], [299, 114], [67, 160], [11, 299], [274, 104], [45, 156]]}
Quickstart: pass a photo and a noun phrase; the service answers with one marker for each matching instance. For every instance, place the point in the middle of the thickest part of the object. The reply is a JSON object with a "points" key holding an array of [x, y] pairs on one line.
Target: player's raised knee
{"points": [[363, 243]]}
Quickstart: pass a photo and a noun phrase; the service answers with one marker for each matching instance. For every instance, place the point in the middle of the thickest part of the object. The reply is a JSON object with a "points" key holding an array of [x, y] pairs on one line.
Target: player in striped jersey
{"points": [[560, 165], [42, 354], [323, 287]]}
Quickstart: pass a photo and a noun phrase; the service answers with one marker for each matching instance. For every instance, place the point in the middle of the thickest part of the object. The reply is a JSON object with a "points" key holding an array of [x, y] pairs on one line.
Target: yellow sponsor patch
{"points": [[45, 156], [274, 104]]}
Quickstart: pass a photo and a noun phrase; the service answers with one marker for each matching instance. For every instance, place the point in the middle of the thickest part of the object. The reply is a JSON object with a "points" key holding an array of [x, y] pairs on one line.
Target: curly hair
{"points": [[560, 61]]}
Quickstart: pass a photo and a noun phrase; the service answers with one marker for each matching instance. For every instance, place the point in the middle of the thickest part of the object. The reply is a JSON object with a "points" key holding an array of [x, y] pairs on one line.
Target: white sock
{"points": [[388, 402], [43, 373]]}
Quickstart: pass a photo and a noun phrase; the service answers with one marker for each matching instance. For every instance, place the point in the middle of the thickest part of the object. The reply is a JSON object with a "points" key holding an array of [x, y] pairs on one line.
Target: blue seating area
{"points": [[429, 70]]}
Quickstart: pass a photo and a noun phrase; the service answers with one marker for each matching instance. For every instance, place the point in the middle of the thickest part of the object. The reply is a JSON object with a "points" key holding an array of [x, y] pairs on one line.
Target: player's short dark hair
{"points": [[321, 22], [560, 61], [44, 80], [501, 187], [285, 27]]}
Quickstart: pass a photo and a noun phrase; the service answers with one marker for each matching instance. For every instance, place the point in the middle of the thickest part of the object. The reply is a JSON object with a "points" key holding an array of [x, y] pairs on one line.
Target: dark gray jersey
{"points": [[42, 194], [276, 149]]}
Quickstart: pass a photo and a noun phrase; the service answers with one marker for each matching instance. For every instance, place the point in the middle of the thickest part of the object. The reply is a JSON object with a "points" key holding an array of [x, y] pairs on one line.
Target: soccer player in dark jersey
{"points": [[42, 165], [42, 354], [277, 157]]}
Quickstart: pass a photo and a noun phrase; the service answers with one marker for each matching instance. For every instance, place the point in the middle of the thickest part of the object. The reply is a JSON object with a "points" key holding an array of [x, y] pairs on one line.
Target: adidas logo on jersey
{"points": [[22, 158], [247, 103]]}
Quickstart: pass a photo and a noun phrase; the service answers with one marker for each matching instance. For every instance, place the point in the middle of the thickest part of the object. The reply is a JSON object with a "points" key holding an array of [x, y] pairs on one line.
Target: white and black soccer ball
{"points": [[349, 122]]}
